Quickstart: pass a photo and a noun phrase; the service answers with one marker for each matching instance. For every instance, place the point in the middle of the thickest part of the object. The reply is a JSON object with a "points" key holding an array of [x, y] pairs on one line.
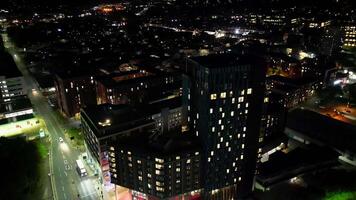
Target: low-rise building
{"points": [[74, 91]]}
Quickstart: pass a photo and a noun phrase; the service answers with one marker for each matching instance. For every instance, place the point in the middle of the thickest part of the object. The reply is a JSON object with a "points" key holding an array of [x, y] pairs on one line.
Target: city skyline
{"points": [[175, 99]]}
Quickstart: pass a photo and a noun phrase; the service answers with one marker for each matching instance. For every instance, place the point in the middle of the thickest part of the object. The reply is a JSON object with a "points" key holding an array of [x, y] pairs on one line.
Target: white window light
{"points": [[223, 95], [213, 96]]}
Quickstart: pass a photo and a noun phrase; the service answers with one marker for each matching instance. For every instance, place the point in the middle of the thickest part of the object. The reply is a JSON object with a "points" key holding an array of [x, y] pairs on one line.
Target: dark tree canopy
{"points": [[19, 159]]}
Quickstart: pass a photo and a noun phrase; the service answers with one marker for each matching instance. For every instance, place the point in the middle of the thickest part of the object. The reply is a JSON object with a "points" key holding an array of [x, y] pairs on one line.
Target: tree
{"points": [[19, 166]]}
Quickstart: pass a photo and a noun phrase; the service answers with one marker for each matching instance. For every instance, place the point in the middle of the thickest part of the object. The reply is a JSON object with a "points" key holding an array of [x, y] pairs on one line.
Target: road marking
{"points": [[65, 161], [65, 173], [65, 196], [63, 188]]}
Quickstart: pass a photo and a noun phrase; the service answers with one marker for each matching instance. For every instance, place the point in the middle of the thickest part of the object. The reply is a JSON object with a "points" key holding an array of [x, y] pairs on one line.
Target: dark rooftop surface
{"points": [[282, 166], [8, 67], [160, 145], [109, 119], [329, 131], [156, 107], [291, 82], [225, 60], [115, 79]]}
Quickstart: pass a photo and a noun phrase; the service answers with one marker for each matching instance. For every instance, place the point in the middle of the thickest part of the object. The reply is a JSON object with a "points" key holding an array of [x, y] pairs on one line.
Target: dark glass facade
{"points": [[224, 102]]}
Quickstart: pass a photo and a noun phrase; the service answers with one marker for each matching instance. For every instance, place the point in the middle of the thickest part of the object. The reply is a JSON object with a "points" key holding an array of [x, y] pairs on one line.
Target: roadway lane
{"points": [[67, 183]]}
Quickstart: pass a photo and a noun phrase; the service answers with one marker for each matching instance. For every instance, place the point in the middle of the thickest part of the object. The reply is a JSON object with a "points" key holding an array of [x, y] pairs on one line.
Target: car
{"points": [[61, 140]]}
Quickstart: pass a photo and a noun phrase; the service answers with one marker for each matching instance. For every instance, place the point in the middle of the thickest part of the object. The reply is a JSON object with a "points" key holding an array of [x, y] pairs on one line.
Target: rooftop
{"points": [[160, 145], [127, 77], [327, 130], [291, 82], [225, 60], [110, 119]]}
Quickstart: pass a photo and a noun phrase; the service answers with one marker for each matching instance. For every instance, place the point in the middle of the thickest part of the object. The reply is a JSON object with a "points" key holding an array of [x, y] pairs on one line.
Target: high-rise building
{"points": [[223, 99]]}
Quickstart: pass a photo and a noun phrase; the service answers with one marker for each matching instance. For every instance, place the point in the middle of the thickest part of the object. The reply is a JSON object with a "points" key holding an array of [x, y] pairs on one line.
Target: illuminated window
{"points": [[211, 110], [232, 113], [266, 100], [242, 157], [242, 92], [158, 166], [218, 146], [213, 129], [159, 160], [212, 96], [223, 95], [246, 105], [233, 100], [241, 99]]}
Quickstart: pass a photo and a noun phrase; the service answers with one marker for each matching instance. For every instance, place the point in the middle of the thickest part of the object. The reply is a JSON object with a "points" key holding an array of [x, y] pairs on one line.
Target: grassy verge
{"points": [[76, 135], [340, 195]]}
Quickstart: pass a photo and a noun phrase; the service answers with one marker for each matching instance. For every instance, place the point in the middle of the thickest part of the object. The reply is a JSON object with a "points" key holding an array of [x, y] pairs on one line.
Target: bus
{"points": [[81, 169]]}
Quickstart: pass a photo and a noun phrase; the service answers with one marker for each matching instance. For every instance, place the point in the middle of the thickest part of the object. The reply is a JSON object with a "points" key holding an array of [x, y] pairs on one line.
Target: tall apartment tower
{"points": [[223, 101]]}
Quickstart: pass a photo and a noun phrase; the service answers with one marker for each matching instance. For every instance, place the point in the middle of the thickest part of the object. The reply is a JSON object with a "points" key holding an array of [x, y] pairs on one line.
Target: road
{"points": [[66, 183]]}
